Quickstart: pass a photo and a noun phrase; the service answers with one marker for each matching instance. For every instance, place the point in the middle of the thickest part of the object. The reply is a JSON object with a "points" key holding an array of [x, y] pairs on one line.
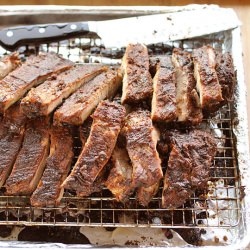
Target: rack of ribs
{"points": [[9, 63], [189, 164], [43, 99], [49, 190], [207, 82], [141, 139], [187, 99], [12, 128], [30, 162], [119, 181], [80, 105], [164, 95], [31, 73], [137, 81], [226, 75], [107, 123]]}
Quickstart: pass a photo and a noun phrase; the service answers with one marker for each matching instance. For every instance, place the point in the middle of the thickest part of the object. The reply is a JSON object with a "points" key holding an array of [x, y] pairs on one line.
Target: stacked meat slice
{"points": [[118, 138]]}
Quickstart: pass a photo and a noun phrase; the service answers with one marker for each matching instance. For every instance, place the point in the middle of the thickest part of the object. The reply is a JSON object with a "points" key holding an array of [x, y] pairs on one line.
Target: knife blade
{"points": [[147, 29]]}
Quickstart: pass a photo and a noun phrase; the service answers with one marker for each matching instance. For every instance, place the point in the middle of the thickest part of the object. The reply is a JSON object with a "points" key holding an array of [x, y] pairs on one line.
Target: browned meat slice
{"points": [[98, 184], [107, 122], [49, 191], [80, 105], [141, 140], [137, 81], [188, 166], [226, 75], [119, 181], [12, 128], [8, 63], [30, 162], [187, 99], [31, 73], [206, 78], [164, 95], [145, 195], [43, 99]]}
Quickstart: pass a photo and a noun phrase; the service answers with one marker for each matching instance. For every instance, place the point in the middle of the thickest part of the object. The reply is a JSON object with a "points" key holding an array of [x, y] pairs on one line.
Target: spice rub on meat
{"points": [[49, 190], [107, 123], [226, 75], [207, 82], [43, 99], [30, 162], [164, 95], [141, 139], [31, 73], [137, 81], [189, 164], [80, 105], [187, 99], [12, 127]]}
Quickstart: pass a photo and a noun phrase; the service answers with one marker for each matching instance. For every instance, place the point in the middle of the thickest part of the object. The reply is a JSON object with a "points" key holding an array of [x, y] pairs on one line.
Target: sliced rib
{"points": [[9, 63], [145, 194], [141, 138], [49, 190], [30, 162], [80, 105], [226, 75], [31, 73], [164, 95], [207, 82], [43, 99], [12, 129], [188, 166], [187, 99], [107, 122], [119, 181], [137, 81], [98, 184]]}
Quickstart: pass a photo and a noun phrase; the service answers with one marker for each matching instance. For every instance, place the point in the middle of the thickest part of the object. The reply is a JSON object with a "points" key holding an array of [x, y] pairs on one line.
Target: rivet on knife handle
{"points": [[11, 38]]}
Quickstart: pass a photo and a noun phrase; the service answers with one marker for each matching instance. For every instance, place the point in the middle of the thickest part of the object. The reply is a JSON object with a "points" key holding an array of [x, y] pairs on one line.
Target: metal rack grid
{"points": [[218, 207]]}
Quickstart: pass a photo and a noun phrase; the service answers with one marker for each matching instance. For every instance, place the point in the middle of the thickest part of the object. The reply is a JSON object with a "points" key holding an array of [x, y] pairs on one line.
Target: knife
{"points": [[148, 29]]}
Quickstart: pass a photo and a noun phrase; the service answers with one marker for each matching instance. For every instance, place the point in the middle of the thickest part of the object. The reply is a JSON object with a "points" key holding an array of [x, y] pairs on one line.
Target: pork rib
{"points": [[137, 81], [164, 95], [119, 181], [9, 63], [141, 138], [188, 166], [12, 129], [80, 105], [31, 73], [49, 190], [43, 99], [207, 82], [30, 162], [226, 75], [187, 99], [107, 122]]}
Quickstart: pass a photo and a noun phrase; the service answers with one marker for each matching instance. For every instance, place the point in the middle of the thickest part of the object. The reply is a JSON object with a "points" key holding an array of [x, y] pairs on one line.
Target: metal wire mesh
{"points": [[218, 207]]}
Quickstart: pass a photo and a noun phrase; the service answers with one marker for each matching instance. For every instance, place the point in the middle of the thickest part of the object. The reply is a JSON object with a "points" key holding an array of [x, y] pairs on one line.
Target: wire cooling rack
{"points": [[219, 206]]}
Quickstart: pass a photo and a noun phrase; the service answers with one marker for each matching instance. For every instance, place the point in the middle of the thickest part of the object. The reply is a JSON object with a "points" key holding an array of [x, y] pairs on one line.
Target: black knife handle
{"points": [[11, 38]]}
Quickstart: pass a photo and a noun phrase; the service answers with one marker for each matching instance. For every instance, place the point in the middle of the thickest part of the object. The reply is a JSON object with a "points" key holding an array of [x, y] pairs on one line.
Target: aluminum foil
{"points": [[237, 237]]}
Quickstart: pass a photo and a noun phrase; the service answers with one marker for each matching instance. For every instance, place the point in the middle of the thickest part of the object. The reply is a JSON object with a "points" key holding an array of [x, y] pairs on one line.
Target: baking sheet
{"points": [[241, 233]]}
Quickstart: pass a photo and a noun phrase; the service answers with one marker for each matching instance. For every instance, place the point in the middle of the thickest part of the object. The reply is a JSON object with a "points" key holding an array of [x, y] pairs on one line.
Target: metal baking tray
{"points": [[220, 212]]}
